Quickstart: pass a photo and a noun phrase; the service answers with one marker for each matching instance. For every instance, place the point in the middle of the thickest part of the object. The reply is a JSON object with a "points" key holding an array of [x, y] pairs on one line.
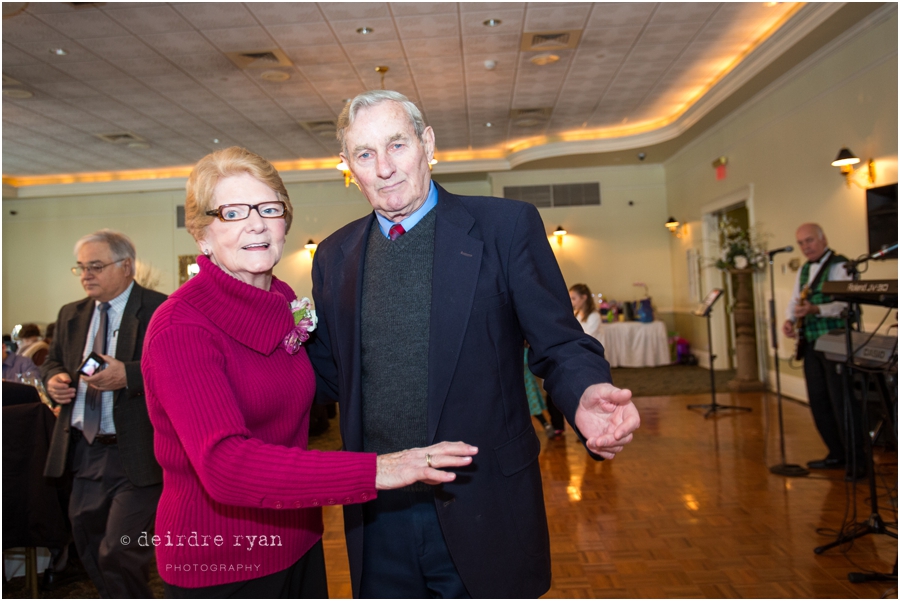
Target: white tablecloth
{"points": [[635, 344]]}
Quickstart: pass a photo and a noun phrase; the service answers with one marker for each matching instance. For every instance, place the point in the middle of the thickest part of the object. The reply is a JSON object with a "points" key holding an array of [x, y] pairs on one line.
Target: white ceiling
{"points": [[159, 70]]}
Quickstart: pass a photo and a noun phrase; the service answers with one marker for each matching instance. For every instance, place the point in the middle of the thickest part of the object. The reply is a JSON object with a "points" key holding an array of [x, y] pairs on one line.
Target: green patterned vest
{"points": [[814, 325]]}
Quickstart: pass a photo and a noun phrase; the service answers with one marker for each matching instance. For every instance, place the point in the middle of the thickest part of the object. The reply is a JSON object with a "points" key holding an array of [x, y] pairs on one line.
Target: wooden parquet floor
{"points": [[691, 510]]}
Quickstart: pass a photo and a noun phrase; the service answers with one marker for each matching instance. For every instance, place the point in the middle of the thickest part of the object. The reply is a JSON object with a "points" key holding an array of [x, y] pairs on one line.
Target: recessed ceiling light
{"points": [[215, 140], [364, 30], [17, 93], [59, 51], [544, 59], [492, 22], [489, 124], [275, 75]]}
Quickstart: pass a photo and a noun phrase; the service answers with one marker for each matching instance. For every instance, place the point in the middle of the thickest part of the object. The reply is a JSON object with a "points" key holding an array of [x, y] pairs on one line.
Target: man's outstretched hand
{"points": [[607, 418]]}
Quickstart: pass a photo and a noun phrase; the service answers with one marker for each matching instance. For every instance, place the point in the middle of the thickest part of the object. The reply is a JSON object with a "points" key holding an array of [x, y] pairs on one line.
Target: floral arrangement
{"points": [[305, 321], [741, 249]]}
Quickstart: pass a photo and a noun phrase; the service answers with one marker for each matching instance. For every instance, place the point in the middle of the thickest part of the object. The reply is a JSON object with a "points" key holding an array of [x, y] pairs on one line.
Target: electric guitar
{"points": [[805, 294]]}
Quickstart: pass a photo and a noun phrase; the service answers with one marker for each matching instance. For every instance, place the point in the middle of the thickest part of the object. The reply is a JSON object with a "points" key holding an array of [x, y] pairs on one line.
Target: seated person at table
{"points": [[583, 305], [17, 365], [31, 345]]}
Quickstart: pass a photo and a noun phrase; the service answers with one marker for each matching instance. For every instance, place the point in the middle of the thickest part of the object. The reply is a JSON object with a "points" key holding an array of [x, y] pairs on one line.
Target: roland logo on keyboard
{"points": [[868, 287]]}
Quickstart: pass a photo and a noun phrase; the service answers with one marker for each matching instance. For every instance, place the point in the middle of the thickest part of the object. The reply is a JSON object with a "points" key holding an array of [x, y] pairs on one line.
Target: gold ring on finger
{"points": [[428, 459]]}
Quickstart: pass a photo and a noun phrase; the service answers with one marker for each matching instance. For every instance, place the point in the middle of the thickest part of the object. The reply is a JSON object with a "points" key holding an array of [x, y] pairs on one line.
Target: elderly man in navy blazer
{"points": [[423, 306], [103, 434]]}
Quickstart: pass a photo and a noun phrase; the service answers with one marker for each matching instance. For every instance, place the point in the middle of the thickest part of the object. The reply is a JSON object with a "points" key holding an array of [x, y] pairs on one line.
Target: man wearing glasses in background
{"points": [[103, 434]]}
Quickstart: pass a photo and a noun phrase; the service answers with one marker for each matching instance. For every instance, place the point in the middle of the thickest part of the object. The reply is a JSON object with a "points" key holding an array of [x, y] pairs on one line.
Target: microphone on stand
{"points": [[881, 253], [783, 249]]}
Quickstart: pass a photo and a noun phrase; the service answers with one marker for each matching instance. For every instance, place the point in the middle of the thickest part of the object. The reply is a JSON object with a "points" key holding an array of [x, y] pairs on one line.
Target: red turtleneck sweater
{"points": [[241, 496]]}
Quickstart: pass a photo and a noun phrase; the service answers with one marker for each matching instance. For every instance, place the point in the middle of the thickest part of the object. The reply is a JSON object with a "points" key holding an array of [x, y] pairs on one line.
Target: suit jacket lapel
{"points": [[78, 328], [347, 285], [457, 263], [128, 328]]}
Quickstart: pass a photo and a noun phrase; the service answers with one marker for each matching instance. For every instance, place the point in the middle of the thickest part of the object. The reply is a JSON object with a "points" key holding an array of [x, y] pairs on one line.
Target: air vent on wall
{"points": [[321, 129], [259, 59], [541, 41], [556, 195], [530, 117], [121, 137]]}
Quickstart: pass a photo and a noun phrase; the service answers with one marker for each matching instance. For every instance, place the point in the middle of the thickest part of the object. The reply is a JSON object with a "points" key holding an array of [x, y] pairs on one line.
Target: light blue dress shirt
{"points": [[411, 221]]}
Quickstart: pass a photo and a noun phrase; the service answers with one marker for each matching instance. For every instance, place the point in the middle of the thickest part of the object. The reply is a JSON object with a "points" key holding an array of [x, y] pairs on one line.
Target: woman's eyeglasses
{"points": [[268, 210]]}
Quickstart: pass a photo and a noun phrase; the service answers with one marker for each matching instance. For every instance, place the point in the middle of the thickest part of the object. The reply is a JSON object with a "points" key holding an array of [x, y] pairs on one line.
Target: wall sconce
{"points": [[846, 159], [560, 233], [311, 247], [675, 227], [345, 169]]}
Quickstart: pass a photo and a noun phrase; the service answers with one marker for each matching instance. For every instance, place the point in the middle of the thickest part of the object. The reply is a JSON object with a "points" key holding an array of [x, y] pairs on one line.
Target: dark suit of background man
{"points": [[420, 338], [821, 314], [117, 481]]}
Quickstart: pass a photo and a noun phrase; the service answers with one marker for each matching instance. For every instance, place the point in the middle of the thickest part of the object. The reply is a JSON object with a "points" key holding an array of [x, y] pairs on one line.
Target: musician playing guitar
{"points": [[811, 314]]}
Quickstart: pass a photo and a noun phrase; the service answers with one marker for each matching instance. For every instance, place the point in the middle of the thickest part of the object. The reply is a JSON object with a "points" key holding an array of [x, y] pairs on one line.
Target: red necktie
{"points": [[396, 231]]}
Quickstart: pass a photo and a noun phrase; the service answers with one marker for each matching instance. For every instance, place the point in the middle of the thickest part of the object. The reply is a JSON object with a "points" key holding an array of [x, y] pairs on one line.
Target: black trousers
{"points": [[303, 580], [404, 552], [108, 515], [556, 416], [839, 424]]}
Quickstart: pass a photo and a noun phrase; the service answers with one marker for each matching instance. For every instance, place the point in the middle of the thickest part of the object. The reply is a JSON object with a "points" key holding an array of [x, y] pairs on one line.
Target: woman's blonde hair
{"points": [[220, 164]]}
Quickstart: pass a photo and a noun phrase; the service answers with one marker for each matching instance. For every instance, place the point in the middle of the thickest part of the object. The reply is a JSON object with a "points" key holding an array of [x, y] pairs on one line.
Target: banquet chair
{"points": [[33, 513]]}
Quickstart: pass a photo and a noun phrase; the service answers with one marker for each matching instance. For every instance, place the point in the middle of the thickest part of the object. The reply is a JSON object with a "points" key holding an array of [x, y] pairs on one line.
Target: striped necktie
{"points": [[93, 401]]}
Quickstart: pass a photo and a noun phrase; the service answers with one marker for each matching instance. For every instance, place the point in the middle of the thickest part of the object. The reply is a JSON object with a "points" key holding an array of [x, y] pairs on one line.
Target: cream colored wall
{"points": [[611, 246], [781, 145], [38, 241]]}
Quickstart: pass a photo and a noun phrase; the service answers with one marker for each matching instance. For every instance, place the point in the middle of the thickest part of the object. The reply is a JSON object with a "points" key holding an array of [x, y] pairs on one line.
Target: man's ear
{"points": [[428, 142]]}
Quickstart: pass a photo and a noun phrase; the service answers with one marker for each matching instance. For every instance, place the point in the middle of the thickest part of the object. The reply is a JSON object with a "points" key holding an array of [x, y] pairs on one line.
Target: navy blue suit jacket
{"points": [[495, 284]]}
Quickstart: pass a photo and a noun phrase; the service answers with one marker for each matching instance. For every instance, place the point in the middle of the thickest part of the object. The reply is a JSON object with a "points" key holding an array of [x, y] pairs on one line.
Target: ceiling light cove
{"points": [[492, 22], [365, 30]]}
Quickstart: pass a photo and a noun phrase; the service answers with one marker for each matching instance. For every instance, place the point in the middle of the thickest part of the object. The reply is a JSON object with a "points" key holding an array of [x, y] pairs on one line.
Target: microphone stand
{"points": [[784, 468]]}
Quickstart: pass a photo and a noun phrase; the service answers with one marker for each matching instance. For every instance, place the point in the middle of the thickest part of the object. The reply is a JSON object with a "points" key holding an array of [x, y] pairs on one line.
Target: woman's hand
{"points": [[396, 470]]}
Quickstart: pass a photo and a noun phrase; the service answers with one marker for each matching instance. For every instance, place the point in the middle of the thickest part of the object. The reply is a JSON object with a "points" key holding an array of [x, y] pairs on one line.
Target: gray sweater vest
{"points": [[396, 311]]}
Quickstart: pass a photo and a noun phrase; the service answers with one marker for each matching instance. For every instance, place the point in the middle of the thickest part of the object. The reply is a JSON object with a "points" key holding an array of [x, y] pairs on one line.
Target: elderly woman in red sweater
{"points": [[229, 388]]}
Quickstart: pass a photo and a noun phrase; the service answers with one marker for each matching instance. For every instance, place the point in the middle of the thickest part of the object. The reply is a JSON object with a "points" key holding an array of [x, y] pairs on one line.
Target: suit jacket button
{"points": [[364, 496], [278, 504], [315, 502], [331, 501], [347, 500], [298, 504]]}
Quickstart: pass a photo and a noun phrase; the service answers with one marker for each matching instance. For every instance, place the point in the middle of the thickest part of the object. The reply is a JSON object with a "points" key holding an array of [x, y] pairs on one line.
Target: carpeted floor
{"points": [[669, 380], [643, 382]]}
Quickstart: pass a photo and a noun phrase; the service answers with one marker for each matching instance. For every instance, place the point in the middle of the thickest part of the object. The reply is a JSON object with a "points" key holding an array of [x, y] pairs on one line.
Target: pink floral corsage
{"points": [[304, 322]]}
